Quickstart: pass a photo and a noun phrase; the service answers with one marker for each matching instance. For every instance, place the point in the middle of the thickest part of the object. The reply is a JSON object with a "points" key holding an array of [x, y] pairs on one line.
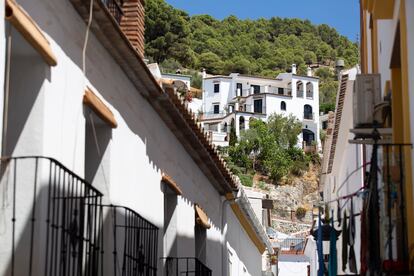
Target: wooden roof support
{"points": [[100, 109], [201, 217], [28, 28], [171, 184]]}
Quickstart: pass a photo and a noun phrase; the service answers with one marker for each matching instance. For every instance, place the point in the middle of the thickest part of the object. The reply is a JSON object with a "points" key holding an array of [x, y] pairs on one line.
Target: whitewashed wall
{"points": [[347, 172], [141, 147]]}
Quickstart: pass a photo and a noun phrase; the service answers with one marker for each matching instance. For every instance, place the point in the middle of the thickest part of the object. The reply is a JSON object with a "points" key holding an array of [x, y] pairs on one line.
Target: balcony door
{"points": [[308, 137], [239, 89], [258, 106]]}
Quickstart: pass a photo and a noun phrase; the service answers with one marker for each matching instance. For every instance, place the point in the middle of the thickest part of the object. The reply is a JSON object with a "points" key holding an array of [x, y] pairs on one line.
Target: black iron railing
{"points": [[52, 219], [185, 267], [308, 116], [115, 8], [131, 243], [386, 206]]}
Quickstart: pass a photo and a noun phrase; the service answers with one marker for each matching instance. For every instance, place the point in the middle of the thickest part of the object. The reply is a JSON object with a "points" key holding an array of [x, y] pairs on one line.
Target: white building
{"points": [[104, 171], [236, 98], [342, 175]]}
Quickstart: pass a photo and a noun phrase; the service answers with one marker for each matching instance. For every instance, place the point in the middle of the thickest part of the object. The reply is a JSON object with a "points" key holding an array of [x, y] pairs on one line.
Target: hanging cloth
{"points": [[333, 259], [364, 241], [319, 246], [339, 214], [345, 237], [351, 242]]}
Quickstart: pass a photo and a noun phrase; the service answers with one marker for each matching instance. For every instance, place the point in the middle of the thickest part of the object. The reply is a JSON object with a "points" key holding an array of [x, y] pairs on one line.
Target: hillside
{"points": [[261, 47]]}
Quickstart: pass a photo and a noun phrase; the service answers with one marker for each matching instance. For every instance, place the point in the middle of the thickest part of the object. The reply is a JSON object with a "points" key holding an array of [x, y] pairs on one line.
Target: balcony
{"points": [[212, 115], [52, 219], [271, 90], [55, 224], [185, 267], [115, 8], [131, 243]]}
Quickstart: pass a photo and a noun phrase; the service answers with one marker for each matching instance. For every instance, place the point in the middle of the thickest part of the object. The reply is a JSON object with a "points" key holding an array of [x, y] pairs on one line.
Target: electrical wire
{"points": [[85, 43]]}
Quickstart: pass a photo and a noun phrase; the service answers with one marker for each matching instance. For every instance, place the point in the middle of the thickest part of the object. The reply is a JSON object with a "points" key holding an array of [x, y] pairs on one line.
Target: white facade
{"points": [[47, 117], [342, 173], [227, 98]]}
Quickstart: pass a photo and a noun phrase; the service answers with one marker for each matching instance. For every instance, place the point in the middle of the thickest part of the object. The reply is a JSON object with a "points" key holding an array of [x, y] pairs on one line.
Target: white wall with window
{"points": [[125, 163]]}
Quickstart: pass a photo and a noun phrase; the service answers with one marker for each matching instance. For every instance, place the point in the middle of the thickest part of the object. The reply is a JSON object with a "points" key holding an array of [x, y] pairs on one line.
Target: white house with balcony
{"points": [[237, 98]]}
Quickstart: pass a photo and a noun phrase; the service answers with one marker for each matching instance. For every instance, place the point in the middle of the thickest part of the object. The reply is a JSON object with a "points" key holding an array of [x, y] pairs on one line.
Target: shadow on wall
{"points": [[55, 224], [28, 72]]}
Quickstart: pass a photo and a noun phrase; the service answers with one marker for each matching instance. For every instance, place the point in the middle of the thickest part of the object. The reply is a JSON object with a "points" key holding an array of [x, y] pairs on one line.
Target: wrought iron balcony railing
{"points": [[52, 219], [185, 267], [115, 8], [131, 243], [55, 224]]}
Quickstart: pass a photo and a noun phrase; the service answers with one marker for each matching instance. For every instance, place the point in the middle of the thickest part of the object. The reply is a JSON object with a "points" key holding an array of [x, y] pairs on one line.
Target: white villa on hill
{"points": [[237, 98]]}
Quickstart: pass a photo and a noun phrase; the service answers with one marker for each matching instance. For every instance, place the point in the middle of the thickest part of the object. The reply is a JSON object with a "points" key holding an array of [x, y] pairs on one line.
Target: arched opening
{"points": [[299, 89], [283, 106], [225, 130], [241, 123], [307, 112], [309, 90], [308, 137]]}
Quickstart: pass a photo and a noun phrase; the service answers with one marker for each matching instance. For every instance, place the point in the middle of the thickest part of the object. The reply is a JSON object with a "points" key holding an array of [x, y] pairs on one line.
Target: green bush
{"points": [[246, 180], [300, 213]]}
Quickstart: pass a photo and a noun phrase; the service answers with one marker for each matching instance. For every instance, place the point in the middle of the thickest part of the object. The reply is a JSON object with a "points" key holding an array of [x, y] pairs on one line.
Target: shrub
{"points": [[246, 180], [300, 213]]}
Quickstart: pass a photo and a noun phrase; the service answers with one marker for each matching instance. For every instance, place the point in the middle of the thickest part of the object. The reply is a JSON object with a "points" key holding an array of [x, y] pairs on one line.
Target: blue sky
{"points": [[340, 14]]}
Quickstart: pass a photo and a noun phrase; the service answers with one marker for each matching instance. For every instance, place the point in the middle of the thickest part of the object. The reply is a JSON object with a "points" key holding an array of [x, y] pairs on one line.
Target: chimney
{"points": [[293, 68], [309, 72], [133, 23]]}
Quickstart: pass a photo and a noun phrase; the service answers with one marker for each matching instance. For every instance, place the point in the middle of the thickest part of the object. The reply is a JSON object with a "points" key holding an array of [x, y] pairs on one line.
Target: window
{"points": [[225, 128], [307, 112], [241, 123], [256, 89], [216, 108], [200, 236], [280, 91], [216, 87], [283, 106], [309, 90], [239, 89], [258, 106], [299, 89]]}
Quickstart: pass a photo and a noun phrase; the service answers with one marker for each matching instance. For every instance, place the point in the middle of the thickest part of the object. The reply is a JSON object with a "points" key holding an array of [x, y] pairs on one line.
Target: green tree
{"points": [[232, 136]]}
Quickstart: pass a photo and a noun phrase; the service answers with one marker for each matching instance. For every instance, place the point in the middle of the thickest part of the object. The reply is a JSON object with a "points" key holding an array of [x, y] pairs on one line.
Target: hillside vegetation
{"points": [[262, 47]]}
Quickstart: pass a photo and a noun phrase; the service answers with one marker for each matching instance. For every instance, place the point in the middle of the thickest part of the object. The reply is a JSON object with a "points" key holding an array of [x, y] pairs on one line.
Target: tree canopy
{"points": [[263, 47], [270, 148], [260, 47]]}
